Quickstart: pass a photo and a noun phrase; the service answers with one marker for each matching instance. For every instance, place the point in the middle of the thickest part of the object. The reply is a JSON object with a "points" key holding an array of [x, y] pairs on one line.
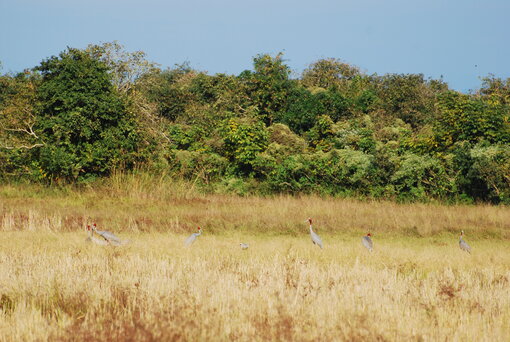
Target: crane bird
{"points": [[193, 237], [244, 245], [463, 244], [110, 238], [315, 238], [92, 238], [367, 242]]}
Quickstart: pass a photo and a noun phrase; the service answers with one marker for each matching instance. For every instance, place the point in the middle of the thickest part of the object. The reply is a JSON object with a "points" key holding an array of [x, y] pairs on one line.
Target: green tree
{"points": [[18, 135], [17, 115], [169, 90], [483, 171], [82, 119], [304, 107], [302, 110], [357, 134], [464, 118], [421, 176], [329, 72], [125, 68], [495, 90], [321, 135], [407, 97], [243, 140], [268, 86]]}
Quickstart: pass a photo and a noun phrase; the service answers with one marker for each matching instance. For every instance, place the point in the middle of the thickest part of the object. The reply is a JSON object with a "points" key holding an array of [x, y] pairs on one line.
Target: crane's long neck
{"points": [[311, 229], [199, 233]]}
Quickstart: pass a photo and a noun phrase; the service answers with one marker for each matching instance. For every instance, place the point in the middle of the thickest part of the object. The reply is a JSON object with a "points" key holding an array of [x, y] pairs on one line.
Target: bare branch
{"points": [[22, 147], [28, 131]]}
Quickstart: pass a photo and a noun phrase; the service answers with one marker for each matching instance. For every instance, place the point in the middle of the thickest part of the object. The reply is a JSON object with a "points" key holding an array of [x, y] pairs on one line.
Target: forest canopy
{"points": [[336, 130]]}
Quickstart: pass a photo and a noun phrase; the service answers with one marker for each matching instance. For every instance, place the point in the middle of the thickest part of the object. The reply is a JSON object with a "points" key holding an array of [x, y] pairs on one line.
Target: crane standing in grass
{"points": [[315, 238], [244, 245], [192, 237], [110, 238], [463, 244], [367, 242]]}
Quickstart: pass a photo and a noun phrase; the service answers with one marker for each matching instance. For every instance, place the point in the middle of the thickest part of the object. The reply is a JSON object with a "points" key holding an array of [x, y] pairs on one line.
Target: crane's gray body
{"points": [[464, 245], [110, 238], [93, 239], [315, 238], [189, 241], [244, 245], [367, 242]]}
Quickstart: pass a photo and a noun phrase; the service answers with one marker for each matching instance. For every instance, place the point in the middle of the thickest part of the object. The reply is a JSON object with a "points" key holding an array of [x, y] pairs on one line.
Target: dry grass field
{"points": [[417, 285]]}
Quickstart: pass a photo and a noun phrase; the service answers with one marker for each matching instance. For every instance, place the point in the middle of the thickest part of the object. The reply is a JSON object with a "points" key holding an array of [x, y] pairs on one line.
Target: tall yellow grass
{"points": [[144, 203], [417, 285], [57, 287]]}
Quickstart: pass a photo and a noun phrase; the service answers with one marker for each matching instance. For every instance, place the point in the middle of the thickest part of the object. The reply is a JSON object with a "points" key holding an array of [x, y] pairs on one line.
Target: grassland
{"points": [[416, 285]]}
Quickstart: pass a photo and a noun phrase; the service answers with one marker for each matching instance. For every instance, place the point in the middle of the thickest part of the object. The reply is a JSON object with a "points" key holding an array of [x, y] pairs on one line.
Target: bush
{"points": [[462, 118], [304, 108], [284, 137], [185, 137], [207, 167], [334, 172], [243, 139], [420, 176], [321, 135], [484, 171], [356, 134]]}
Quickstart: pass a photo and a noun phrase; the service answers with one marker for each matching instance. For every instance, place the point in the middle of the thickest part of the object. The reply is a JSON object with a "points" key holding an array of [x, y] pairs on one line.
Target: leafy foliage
{"points": [[421, 176], [462, 118], [243, 140], [268, 86], [83, 121], [484, 171], [407, 97], [326, 73], [334, 130]]}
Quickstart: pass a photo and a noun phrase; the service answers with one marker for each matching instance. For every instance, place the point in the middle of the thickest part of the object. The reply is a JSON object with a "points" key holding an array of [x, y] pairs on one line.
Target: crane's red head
{"points": [[88, 226], [199, 228], [310, 220], [369, 234], [94, 225]]}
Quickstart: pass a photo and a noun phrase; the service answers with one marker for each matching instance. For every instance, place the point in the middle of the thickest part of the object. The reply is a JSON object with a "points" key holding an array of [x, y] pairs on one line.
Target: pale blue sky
{"points": [[459, 39]]}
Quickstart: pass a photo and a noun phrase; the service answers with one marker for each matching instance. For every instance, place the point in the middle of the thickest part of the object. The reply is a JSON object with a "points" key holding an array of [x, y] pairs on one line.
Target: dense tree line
{"points": [[334, 130]]}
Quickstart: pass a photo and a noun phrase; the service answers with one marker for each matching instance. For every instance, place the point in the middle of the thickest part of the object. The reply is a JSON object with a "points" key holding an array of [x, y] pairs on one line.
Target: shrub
{"points": [[243, 139], [283, 136], [334, 172], [484, 171], [321, 135], [420, 176], [356, 134], [206, 167], [462, 118]]}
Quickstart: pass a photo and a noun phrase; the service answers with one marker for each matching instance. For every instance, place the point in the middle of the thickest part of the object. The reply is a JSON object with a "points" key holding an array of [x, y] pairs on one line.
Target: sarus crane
{"points": [[367, 242], [463, 244], [189, 241], [315, 238]]}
